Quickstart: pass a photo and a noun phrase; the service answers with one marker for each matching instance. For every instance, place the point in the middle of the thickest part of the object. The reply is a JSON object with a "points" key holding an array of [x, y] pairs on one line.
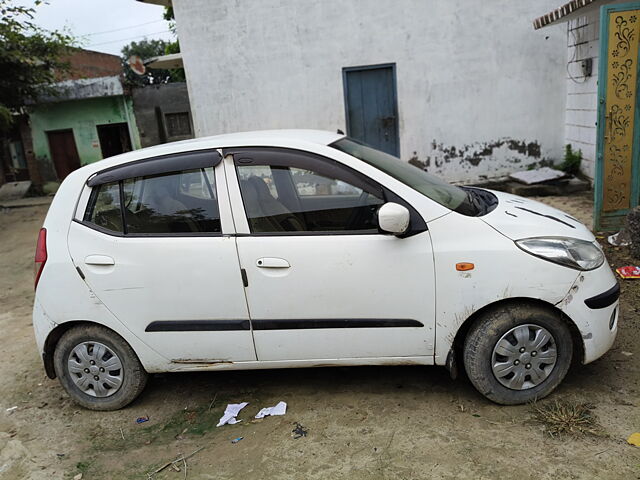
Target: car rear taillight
{"points": [[41, 255]]}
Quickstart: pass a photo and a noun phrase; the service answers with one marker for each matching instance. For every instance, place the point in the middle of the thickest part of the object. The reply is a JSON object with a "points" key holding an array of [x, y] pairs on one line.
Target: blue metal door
{"points": [[371, 107]]}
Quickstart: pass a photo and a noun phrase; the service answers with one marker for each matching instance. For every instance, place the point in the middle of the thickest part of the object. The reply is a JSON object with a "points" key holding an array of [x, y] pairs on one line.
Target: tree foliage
{"points": [[177, 74], [170, 17], [30, 59], [145, 49]]}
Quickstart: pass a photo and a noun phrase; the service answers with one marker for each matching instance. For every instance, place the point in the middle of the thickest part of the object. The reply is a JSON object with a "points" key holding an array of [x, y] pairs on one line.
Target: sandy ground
{"points": [[362, 423]]}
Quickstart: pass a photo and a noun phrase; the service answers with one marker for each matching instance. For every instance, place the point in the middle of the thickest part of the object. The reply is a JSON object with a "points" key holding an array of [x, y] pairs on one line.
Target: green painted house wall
{"points": [[81, 116]]}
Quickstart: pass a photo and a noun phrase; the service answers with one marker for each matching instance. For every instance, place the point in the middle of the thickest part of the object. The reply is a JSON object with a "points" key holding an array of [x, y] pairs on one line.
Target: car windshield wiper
{"points": [[475, 201], [468, 206], [479, 201]]}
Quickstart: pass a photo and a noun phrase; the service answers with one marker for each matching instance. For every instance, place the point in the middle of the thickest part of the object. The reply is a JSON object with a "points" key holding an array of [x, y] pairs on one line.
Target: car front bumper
{"points": [[592, 303]]}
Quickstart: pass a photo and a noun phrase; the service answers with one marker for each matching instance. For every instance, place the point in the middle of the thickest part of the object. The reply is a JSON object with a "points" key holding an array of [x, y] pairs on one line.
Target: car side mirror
{"points": [[393, 218]]}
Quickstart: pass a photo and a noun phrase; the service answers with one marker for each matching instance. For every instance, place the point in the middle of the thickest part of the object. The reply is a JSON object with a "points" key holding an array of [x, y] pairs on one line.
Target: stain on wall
{"points": [[480, 160]]}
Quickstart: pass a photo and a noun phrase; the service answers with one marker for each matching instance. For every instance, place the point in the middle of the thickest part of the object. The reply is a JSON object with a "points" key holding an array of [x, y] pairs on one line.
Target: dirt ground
{"points": [[362, 423]]}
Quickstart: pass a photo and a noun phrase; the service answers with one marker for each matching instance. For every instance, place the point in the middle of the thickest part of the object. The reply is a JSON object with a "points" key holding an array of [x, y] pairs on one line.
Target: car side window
{"points": [[105, 209], [302, 193], [261, 171], [177, 202], [310, 183], [198, 183]]}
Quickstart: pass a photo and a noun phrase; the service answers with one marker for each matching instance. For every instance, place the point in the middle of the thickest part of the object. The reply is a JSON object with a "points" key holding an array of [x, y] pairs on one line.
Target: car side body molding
{"points": [[287, 324]]}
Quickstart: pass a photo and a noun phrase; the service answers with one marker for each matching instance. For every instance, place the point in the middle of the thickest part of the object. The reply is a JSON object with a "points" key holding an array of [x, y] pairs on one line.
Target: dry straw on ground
{"points": [[567, 418]]}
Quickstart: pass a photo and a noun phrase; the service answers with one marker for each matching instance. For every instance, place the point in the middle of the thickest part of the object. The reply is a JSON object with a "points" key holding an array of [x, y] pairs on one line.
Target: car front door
{"points": [[322, 281], [153, 244]]}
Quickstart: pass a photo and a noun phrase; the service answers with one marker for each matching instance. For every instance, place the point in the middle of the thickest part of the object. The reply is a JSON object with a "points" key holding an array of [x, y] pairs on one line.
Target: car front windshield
{"points": [[437, 190]]}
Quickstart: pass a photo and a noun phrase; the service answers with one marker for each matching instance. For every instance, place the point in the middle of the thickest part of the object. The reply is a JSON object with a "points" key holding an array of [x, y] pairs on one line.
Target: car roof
{"points": [[238, 139], [259, 138]]}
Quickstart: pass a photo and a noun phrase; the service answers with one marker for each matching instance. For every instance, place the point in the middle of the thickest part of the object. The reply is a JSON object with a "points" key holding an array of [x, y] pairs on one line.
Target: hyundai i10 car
{"points": [[283, 249]]}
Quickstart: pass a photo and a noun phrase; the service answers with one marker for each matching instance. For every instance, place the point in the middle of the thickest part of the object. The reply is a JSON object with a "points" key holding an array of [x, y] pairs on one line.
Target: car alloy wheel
{"points": [[95, 369], [524, 357]]}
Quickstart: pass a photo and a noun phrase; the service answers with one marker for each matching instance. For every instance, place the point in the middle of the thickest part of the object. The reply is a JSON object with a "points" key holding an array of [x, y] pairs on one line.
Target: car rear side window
{"points": [[180, 203], [104, 210]]}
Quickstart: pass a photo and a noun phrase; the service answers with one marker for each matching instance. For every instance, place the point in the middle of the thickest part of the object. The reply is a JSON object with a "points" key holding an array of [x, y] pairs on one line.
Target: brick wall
{"points": [[89, 64], [582, 92]]}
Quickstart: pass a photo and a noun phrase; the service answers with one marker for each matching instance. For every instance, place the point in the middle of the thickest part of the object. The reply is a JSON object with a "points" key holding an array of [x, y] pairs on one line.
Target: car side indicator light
{"points": [[464, 266]]}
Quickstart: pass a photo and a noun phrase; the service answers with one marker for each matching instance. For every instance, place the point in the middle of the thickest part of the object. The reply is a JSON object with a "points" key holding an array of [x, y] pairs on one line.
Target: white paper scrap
{"points": [[279, 409], [230, 413]]}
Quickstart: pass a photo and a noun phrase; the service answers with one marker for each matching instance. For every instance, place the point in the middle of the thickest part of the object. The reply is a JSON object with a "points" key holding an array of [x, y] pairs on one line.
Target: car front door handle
{"points": [[272, 262], [99, 260]]}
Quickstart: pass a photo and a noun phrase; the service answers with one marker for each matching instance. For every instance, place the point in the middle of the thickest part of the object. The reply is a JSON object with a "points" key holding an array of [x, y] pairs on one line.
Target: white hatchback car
{"points": [[305, 248]]}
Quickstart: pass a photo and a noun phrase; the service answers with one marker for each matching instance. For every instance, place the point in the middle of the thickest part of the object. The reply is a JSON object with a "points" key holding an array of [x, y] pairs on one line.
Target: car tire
{"points": [[502, 361], [98, 368]]}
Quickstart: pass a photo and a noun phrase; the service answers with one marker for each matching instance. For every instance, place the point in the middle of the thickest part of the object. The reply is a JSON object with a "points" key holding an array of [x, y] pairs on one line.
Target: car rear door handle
{"points": [[99, 260], [272, 262]]}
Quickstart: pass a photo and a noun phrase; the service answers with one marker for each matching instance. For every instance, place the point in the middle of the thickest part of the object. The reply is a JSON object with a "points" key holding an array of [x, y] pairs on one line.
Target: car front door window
{"points": [[290, 193]]}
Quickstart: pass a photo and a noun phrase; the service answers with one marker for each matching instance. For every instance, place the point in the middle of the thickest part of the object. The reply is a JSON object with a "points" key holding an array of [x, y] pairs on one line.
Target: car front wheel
{"points": [[97, 368], [515, 354]]}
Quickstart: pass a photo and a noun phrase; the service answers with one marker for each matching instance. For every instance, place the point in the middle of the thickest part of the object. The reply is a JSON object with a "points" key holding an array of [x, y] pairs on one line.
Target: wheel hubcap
{"points": [[95, 369], [524, 357]]}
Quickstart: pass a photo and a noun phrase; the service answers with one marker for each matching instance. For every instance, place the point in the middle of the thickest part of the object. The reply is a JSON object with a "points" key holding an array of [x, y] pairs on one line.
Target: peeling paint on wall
{"points": [[480, 160]]}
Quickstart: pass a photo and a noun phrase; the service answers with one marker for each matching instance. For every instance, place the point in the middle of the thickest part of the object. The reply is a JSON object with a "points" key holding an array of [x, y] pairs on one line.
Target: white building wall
{"points": [[480, 93], [582, 92], [583, 41]]}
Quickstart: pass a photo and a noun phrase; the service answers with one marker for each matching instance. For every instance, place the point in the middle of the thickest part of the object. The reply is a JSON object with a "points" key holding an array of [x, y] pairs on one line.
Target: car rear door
{"points": [[155, 244], [323, 282]]}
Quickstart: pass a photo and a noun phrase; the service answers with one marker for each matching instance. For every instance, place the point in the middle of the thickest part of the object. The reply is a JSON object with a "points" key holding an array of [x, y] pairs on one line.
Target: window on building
{"points": [[178, 124]]}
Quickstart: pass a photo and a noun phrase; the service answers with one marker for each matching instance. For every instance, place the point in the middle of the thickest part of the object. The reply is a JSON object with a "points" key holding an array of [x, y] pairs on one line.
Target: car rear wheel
{"points": [[98, 369], [515, 354]]}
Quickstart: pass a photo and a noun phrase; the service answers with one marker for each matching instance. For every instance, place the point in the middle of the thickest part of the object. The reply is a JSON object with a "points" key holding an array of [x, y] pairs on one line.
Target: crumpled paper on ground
{"points": [[620, 239], [230, 413], [630, 271], [279, 409]]}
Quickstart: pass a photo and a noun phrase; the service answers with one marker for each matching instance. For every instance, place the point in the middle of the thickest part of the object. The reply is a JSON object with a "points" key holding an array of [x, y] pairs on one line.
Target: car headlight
{"points": [[571, 252]]}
